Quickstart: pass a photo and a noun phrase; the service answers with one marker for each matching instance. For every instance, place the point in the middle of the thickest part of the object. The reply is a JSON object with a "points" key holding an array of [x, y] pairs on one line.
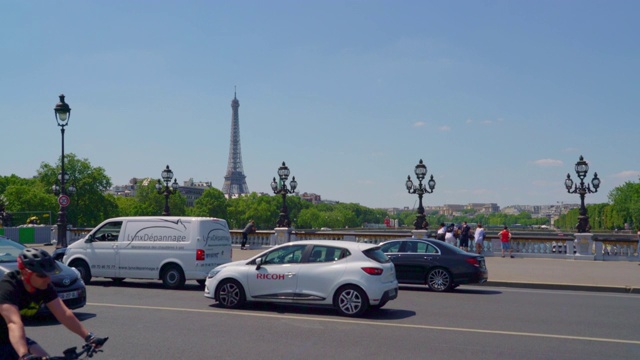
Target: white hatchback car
{"points": [[352, 277]]}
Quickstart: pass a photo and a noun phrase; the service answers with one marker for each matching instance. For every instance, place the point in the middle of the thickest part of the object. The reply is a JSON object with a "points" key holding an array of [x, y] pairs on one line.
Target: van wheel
{"points": [[83, 269], [230, 294], [172, 277]]}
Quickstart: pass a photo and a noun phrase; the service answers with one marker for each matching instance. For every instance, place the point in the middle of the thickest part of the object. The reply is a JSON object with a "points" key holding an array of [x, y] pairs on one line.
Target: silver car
{"points": [[351, 277]]}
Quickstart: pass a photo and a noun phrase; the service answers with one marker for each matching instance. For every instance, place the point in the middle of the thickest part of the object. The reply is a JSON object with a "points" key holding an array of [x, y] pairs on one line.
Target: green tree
{"points": [[212, 203], [626, 201], [150, 203], [90, 205], [24, 201]]}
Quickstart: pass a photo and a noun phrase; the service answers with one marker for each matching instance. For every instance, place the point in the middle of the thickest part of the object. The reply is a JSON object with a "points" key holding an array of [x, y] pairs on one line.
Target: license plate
{"points": [[69, 295]]}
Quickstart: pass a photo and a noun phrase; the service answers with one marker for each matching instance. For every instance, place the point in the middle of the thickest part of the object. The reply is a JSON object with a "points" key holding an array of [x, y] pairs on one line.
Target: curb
{"points": [[570, 287]]}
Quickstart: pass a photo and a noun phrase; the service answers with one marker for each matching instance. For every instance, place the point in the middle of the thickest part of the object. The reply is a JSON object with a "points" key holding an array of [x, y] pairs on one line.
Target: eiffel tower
{"points": [[234, 181]]}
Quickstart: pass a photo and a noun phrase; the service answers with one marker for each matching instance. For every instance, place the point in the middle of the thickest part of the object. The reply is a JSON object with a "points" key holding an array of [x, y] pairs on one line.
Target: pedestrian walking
{"points": [[505, 240], [448, 236], [479, 236], [442, 230], [249, 229], [464, 236]]}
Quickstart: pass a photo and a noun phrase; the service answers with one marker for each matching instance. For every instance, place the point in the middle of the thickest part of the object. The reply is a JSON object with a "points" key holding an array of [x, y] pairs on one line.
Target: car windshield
{"points": [[376, 254], [9, 250]]}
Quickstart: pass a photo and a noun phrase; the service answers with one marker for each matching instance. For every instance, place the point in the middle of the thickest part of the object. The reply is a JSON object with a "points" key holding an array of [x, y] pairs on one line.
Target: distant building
{"points": [[124, 190], [311, 197], [192, 190]]}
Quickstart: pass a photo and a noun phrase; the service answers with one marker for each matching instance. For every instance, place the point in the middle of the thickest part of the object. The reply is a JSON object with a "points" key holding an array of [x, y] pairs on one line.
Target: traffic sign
{"points": [[64, 200]]}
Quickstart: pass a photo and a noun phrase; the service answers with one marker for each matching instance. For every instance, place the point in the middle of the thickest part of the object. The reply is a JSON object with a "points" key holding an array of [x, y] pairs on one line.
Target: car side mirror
{"points": [[258, 263], [90, 238]]}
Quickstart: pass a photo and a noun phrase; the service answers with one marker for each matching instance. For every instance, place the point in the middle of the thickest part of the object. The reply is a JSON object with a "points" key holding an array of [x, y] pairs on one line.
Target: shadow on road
{"points": [[460, 290], [296, 310], [143, 284]]}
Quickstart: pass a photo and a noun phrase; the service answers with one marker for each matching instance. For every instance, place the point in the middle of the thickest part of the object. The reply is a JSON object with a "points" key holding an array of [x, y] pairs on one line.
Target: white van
{"points": [[172, 249]]}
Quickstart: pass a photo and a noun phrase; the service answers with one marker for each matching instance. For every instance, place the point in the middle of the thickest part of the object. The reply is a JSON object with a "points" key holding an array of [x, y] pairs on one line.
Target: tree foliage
{"points": [[212, 203], [92, 205]]}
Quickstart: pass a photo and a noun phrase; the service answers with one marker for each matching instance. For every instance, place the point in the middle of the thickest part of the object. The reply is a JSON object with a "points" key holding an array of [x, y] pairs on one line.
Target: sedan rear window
{"points": [[376, 255]]}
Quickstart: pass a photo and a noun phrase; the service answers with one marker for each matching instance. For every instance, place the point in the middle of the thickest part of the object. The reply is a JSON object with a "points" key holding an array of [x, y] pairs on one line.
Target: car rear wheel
{"points": [[83, 269], [439, 280], [351, 301], [230, 294], [172, 277]]}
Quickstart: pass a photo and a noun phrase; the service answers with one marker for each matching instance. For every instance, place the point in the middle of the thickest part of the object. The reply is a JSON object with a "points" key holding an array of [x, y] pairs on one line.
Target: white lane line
{"points": [[364, 322]]}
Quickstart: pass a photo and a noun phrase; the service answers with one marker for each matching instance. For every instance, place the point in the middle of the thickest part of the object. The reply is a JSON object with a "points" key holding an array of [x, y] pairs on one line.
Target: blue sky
{"points": [[498, 98]]}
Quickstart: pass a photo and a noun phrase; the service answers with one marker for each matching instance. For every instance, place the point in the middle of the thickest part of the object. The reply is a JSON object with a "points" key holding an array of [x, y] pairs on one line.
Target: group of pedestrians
{"points": [[460, 237]]}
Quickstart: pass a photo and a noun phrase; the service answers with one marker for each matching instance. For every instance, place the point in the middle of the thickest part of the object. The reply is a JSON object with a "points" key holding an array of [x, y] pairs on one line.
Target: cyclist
{"points": [[22, 292]]}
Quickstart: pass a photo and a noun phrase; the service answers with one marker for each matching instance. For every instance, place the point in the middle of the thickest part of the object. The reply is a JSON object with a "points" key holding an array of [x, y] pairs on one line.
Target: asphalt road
{"points": [[145, 321]]}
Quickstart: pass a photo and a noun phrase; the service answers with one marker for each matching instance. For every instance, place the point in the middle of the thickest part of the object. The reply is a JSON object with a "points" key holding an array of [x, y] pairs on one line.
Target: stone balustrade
{"points": [[603, 247]]}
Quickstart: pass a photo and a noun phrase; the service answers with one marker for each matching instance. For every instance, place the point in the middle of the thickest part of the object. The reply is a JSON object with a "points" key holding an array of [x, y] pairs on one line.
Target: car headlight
{"points": [[77, 274], [213, 273]]}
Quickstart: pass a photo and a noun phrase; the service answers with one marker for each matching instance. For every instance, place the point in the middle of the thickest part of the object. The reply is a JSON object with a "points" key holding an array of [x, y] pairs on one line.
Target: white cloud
{"points": [[419, 124], [444, 128], [469, 121], [628, 174], [548, 162]]}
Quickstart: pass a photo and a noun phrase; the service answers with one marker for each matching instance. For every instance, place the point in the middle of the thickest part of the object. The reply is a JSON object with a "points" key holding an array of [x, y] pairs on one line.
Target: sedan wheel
{"points": [[351, 301], [439, 280], [230, 294]]}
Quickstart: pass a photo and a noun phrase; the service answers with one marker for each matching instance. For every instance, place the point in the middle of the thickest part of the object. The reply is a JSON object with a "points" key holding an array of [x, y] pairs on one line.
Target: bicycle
{"points": [[88, 350]]}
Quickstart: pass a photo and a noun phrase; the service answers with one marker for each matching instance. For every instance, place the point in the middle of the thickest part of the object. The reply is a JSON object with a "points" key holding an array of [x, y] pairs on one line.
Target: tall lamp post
{"points": [[581, 169], [421, 172], [167, 190], [280, 187], [63, 113]]}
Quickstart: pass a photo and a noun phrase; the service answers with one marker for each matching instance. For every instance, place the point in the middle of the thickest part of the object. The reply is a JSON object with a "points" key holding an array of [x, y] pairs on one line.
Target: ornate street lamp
{"points": [[62, 112], [581, 169], [280, 187], [421, 172], [167, 191]]}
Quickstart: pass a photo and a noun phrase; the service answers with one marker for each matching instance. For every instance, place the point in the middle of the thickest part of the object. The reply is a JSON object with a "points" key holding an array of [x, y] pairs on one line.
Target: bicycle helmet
{"points": [[38, 261]]}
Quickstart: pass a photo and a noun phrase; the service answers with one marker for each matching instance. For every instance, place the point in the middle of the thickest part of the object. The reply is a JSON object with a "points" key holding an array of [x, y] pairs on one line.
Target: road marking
{"points": [[365, 322]]}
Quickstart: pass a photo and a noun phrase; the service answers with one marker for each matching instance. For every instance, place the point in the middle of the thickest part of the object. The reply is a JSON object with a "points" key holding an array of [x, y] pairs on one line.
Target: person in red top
{"points": [[505, 240]]}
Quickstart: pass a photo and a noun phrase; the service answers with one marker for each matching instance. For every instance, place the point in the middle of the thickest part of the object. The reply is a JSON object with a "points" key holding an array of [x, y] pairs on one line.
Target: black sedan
{"points": [[432, 262], [68, 283]]}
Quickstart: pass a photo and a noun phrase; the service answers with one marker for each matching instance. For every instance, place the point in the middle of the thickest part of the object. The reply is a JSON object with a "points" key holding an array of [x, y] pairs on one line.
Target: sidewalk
{"points": [[553, 274]]}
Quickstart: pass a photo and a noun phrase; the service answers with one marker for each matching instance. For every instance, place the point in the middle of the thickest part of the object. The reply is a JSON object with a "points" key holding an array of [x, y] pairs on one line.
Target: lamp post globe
{"points": [[421, 172], [62, 112], [582, 189]]}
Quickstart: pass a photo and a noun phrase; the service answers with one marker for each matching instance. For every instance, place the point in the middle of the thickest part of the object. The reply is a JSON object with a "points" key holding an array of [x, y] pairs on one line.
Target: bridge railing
{"points": [[606, 247]]}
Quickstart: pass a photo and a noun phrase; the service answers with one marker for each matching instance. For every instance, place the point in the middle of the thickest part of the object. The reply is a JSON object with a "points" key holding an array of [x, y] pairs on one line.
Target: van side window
{"points": [[109, 232]]}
